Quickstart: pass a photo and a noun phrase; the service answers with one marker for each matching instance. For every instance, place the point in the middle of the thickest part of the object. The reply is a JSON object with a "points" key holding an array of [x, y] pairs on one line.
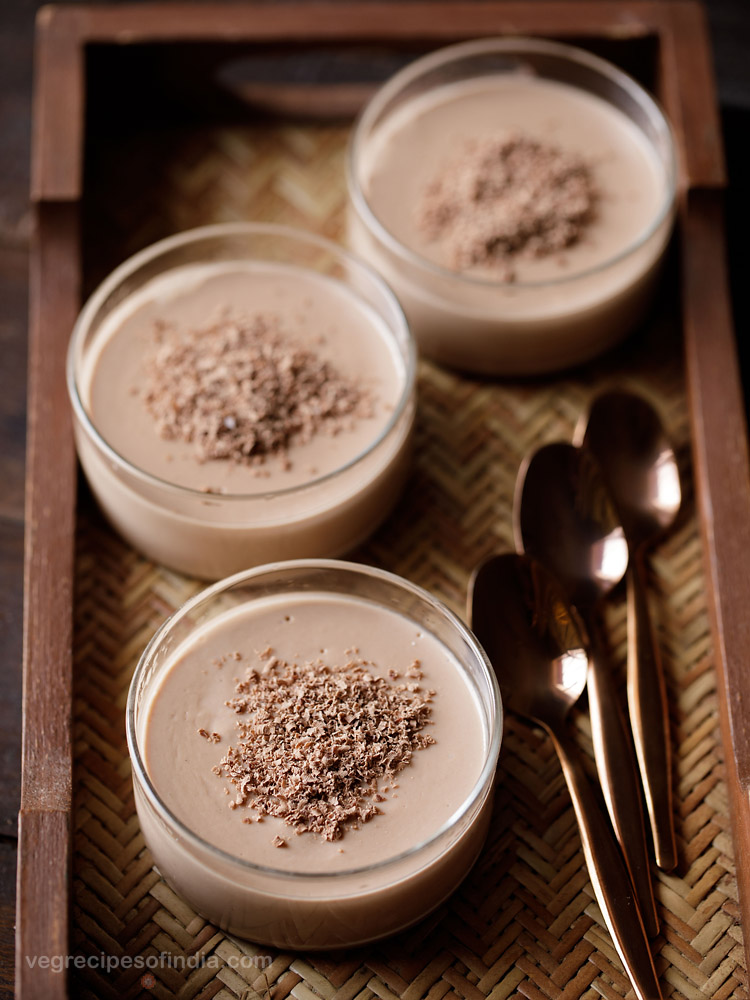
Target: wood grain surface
{"points": [[46, 785], [723, 491]]}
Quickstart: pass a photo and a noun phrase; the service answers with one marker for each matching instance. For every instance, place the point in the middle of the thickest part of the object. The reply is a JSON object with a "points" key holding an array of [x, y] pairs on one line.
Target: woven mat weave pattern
{"points": [[525, 921]]}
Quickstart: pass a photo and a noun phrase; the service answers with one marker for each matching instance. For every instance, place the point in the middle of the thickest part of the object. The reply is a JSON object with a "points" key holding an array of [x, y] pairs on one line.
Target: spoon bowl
{"points": [[536, 643], [563, 516], [626, 436]]}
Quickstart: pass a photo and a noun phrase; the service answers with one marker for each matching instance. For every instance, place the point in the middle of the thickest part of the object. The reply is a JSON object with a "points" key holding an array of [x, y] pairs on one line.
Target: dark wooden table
{"points": [[730, 23]]}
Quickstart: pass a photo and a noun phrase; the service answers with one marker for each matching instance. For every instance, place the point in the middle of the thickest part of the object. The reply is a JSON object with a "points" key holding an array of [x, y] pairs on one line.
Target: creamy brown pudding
{"points": [[236, 411], [318, 765], [431, 132], [308, 312], [519, 218], [328, 632]]}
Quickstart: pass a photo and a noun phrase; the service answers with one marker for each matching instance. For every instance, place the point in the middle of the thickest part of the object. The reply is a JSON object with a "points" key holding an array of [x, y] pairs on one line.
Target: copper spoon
{"points": [[534, 641], [563, 517], [625, 434]]}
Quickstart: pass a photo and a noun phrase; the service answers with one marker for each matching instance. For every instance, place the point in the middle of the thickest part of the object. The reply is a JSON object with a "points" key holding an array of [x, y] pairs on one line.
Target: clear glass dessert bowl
{"points": [[550, 313], [153, 490], [314, 894]]}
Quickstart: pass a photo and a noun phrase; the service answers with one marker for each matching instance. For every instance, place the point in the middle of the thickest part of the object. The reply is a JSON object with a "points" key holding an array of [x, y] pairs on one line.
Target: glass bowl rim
{"points": [[208, 594], [517, 45], [195, 235]]}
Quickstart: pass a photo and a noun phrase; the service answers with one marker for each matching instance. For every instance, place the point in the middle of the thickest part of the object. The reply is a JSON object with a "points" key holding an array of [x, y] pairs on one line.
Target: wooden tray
{"points": [[135, 136]]}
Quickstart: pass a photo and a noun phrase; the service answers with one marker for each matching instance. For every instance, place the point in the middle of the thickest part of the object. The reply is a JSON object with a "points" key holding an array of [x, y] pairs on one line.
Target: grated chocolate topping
{"points": [[504, 198], [316, 741], [241, 390]]}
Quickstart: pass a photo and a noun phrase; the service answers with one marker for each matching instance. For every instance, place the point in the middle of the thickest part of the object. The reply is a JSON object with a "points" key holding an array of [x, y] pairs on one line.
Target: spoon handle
{"points": [[618, 774], [609, 877], [649, 718]]}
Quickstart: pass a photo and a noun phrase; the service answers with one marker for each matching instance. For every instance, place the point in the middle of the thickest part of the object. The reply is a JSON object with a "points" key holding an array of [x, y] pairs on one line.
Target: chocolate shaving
{"points": [[315, 741], [211, 737], [504, 198], [242, 390]]}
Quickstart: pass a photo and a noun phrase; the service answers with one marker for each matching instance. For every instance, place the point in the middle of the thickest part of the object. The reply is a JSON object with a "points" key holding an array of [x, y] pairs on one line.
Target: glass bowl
{"points": [[473, 320], [211, 535], [313, 908]]}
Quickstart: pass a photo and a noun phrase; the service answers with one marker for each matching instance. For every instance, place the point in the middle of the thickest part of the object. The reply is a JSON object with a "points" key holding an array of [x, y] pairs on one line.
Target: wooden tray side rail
{"points": [[44, 830], [722, 476], [717, 410], [45, 814], [718, 431]]}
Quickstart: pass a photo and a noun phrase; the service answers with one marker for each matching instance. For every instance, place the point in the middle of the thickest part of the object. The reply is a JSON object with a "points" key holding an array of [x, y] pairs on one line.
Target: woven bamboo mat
{"points": [[525, 922]]}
